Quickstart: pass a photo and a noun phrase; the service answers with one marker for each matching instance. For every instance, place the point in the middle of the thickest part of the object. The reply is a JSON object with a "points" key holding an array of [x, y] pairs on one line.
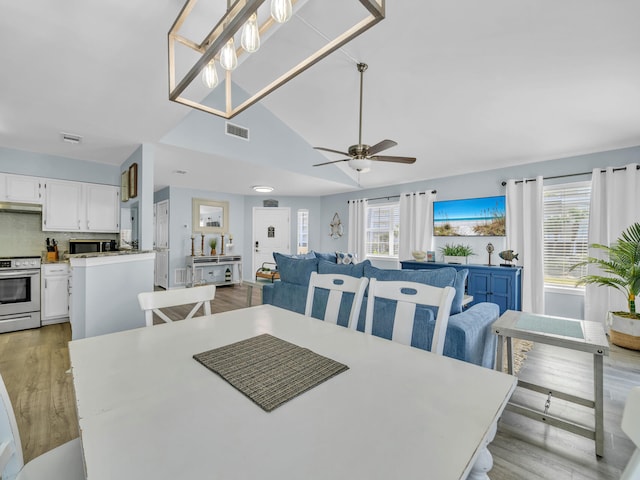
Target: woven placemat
{"points": [[268, 370]]}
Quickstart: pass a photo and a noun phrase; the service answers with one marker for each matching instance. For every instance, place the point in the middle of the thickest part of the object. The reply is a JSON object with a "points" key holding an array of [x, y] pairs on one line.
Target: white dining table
{"points": [[148, 410]]}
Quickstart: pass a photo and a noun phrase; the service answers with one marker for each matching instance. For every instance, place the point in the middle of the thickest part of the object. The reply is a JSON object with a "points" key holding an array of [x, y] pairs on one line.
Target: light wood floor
{"points": [[34, 364]]}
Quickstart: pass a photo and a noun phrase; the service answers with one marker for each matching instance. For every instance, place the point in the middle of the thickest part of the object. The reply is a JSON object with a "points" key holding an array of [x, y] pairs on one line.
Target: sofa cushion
{"points": [[329, 257], [355, 270], [295, 270], [441, 277], [459, 285]]}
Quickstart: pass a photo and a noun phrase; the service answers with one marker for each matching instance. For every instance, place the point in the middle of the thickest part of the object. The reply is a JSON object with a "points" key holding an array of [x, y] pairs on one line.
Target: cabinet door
{"points": [[62, 202], [479, 286], [103, 208], [55, 297], [21, 188], [501, 291]]}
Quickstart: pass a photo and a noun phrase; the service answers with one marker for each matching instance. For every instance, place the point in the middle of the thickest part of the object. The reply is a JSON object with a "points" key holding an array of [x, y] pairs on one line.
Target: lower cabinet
{"points": [[54, 304], [494, 284]]}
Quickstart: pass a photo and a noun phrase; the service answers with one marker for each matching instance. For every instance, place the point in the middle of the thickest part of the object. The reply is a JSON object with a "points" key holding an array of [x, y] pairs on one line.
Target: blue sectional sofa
{"points": [[469, 336]]}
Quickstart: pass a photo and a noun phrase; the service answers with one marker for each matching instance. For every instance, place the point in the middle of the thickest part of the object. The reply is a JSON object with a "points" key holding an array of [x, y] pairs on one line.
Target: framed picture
{"points": [[133, 180], [431, 256], [124, 186]]}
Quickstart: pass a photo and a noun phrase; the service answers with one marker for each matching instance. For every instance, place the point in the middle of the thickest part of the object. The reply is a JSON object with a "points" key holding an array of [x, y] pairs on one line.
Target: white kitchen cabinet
{"points": [[54, 293], [62, 206], [103, 207], [162, 269], [82, 207], [22, 188]]}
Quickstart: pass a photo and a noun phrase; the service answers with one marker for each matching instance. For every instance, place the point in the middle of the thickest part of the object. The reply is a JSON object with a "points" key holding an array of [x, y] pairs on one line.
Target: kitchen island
{"points": [[104, 291]]}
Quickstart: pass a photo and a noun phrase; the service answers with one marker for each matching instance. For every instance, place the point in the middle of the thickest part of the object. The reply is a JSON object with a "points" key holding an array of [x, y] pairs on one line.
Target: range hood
{"points": [[20, 207]]}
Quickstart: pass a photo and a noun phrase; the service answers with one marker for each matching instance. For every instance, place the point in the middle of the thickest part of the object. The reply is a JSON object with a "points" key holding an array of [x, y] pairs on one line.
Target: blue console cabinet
{"points": [[495, 284]]}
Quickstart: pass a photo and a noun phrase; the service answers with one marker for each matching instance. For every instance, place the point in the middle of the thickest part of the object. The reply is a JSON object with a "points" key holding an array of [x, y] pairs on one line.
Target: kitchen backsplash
{"points": [[21, 235]]}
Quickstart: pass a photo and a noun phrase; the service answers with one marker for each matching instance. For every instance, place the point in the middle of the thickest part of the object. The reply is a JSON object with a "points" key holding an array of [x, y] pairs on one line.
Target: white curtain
{"points": [[416, 223], [525, 236], [356, 228], [615, 204]]}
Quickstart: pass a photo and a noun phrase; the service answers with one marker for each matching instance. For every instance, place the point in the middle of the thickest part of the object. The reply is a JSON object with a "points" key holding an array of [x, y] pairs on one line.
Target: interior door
{"points": [[271, 233]]}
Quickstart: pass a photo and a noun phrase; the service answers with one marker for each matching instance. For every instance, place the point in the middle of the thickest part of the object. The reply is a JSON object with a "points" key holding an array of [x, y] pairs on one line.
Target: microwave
{"points": [[86, 245]]}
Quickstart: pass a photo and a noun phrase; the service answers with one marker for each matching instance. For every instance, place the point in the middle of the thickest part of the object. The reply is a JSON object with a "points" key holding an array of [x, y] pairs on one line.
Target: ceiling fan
{"points": [[360, 155]]}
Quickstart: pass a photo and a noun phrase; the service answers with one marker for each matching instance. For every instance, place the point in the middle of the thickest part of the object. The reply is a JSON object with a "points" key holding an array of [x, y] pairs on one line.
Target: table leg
{"points": [[484, 461], [499, 353], [509, 355], [598, 393]]}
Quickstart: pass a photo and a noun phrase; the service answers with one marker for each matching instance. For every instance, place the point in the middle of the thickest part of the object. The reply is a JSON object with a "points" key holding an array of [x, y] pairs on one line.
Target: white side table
{"points": [[578, 335]]}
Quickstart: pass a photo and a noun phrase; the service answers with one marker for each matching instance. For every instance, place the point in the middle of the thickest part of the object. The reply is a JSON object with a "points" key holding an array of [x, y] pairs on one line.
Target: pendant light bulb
{"points": [[210, 75], [250, 39], [228, 58], [281, 10]]}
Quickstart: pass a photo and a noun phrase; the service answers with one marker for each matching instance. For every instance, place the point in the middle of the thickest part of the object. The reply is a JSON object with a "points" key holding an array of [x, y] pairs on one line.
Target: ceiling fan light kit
{"points": [[240, 33], [361, 155]]}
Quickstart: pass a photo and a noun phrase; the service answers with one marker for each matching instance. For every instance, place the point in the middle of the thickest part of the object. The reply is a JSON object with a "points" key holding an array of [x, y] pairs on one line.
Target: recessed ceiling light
{"points": [[262, 188]]}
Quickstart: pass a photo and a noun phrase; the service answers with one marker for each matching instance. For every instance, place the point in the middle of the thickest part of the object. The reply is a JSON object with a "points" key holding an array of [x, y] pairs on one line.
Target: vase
{"points": [[213, 252], [624, 332]]}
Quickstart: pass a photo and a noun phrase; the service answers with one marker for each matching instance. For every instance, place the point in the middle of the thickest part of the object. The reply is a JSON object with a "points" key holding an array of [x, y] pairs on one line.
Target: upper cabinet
{"points": [[83, 207], [21, 188]]}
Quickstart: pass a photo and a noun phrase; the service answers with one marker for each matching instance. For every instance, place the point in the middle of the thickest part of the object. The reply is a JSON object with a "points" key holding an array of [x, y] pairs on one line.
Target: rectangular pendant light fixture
{"points": [[189, 58]]}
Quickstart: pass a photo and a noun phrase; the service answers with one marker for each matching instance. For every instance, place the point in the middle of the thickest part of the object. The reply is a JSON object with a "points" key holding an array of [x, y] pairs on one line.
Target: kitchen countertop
{"points": [[108, 254]]}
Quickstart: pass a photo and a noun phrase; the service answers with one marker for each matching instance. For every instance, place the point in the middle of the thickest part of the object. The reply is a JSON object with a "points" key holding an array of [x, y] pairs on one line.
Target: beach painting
{"points": [[471, 217]]}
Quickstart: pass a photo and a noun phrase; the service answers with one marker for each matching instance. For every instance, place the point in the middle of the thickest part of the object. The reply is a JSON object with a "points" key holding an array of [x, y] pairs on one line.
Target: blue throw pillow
{"points": [[295, 270], [459, 284], [355, 270], [329, 257]]}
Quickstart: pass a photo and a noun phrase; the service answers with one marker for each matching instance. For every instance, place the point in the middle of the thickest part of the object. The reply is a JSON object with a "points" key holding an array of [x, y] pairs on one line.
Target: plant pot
{"points": [[459, 260], [624, 332], [213, 252]]}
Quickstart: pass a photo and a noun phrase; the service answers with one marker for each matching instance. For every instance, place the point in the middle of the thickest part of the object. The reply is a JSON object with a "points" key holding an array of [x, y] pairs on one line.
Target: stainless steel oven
{"points": [[19, 293]]}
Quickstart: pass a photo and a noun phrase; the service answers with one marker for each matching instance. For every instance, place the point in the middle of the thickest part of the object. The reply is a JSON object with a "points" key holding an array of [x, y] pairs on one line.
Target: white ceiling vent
{"points": [[237, 131], [70, 138]]}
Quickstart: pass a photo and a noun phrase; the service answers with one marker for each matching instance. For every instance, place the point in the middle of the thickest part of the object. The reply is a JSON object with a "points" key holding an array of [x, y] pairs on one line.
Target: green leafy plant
{"points": [[622, 267], [457, 250], [213, 243]]}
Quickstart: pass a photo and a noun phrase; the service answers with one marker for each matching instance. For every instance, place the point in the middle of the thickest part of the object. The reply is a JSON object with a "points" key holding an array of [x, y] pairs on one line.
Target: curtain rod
{"points": [[392, 196], [504, 183]]}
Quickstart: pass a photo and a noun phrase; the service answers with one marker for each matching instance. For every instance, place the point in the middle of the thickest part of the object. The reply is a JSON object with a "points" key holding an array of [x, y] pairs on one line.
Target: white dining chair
{"points": [[337, 284], [62, 463], [152, 302], [631, 426], [407, 296]]}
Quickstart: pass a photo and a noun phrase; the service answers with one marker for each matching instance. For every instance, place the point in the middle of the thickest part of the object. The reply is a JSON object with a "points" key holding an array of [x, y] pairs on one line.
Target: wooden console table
{"points": [[578, 335], [219, 266]]}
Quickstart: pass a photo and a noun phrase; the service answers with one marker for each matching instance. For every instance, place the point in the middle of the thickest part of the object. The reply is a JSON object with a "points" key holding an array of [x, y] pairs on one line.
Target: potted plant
{"points": [[621, 270], [213, 243], [456, 253]]}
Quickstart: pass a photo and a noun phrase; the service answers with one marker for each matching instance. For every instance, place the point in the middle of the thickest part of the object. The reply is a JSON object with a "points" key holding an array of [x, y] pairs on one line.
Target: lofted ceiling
{"points": [[463, 86]]}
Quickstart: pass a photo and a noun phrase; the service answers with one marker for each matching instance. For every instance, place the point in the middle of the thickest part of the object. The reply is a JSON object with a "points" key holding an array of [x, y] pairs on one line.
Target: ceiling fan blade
{"points": [[330, 150], [334, 161], [383, 145], [386, 158]]}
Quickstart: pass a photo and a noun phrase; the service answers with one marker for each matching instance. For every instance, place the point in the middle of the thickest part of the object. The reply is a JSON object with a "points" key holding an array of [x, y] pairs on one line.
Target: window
{"points": [[383, 221], [566, 226], [303, 232]]}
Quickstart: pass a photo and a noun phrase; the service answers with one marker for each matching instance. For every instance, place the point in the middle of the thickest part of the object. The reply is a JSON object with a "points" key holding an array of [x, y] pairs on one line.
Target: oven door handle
{"points": [[20, 273]]}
